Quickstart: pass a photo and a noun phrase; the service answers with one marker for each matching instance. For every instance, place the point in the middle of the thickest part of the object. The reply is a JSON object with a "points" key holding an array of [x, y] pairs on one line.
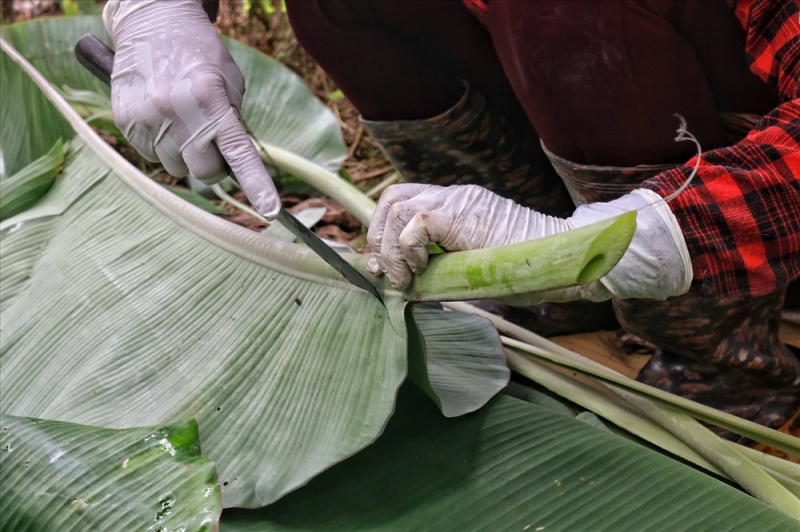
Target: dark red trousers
{"points": [[599, 80]]}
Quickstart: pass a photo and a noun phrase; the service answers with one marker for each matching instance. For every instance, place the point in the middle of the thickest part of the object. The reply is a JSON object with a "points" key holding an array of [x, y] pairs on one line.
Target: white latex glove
{"points": [[408, 217], [176, 94]]}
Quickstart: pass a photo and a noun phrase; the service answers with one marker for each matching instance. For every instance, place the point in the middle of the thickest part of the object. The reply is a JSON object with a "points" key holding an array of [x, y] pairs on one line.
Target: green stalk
{"points": [[778, 440], [327, 182], [773, 463], [606, 406], [227, 198], [576, 257], [736, 465], [541, 348], [674, 432], [787, 482], [376, 191], [689, 441]]}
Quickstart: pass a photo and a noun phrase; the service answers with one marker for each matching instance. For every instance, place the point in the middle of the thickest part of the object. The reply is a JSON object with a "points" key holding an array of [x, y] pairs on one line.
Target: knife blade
{"points": [[97, 58]]}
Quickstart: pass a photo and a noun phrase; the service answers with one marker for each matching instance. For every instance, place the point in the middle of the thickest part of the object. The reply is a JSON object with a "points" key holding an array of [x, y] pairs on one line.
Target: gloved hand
{"points": [[408, 217], [176, 94]]}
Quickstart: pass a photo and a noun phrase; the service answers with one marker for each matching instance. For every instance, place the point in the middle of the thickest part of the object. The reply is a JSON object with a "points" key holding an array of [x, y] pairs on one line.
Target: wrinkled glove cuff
{"points": [[657, 263]]}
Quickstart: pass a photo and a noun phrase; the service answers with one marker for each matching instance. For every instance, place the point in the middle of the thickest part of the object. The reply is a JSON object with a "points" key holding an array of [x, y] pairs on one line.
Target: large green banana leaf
{"points": [[278, 107], [124, 306], [63, 476], [511, 466]]}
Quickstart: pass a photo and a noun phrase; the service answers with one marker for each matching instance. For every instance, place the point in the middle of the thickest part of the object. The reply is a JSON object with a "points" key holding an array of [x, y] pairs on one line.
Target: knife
{"points": [[98, 59]]}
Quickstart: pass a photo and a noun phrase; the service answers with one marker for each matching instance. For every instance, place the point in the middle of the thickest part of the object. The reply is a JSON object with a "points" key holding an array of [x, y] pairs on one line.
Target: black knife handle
{"points": [[95, 57]]}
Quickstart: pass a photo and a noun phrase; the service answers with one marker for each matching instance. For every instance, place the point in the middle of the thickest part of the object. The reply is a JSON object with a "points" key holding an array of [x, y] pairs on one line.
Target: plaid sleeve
{"points": [[741, 214]]}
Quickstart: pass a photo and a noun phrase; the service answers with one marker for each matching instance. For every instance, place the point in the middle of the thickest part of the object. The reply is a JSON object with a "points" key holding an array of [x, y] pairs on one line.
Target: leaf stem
{"points": [[383, 185], [736, 465], [542, 348], [227, 198], [327, 182], [607, 406]]}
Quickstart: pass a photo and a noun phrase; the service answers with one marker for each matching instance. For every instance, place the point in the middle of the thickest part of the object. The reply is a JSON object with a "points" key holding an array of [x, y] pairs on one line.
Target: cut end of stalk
{"points": [[593, 269], [605, 251]]}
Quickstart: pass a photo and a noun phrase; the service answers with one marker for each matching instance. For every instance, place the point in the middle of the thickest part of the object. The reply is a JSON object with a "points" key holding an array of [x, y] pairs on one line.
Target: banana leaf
{"points": [[29, 185], [63, 476], [455, 358], [147, 310], [16, 114], [510, 466]]}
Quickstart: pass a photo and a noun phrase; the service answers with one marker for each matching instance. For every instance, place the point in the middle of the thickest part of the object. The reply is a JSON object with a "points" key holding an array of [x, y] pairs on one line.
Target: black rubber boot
{"points": [[471, 144], [722, 352]]}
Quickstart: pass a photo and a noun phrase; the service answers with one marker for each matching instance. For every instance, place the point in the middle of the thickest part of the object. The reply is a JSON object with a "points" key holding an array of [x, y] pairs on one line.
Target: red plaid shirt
{"points": [[741, 214]]}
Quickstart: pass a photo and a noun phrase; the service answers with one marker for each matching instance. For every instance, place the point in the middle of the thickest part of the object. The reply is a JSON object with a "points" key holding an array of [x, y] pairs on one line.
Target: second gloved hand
{"points": [[176, 94], [408, 217]]}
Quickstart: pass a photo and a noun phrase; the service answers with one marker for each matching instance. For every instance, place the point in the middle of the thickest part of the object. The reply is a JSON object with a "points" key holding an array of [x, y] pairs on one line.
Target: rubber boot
{"points": [[472, 143], [722, 352]]}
